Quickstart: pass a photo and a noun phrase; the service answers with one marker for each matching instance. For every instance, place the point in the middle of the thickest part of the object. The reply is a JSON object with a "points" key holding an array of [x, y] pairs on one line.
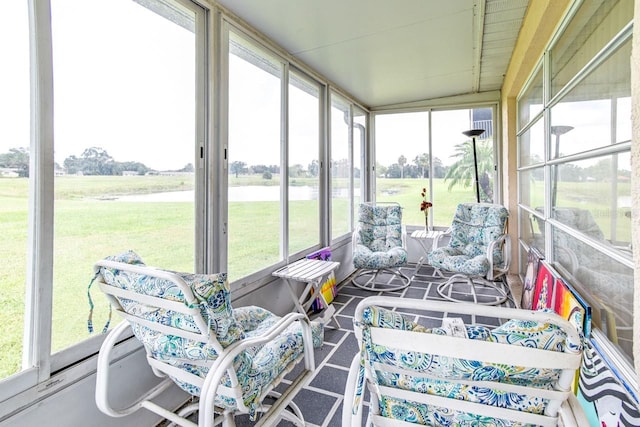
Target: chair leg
{"points": [[445, 290], [369, 280], [290, 413], [228, 420]]}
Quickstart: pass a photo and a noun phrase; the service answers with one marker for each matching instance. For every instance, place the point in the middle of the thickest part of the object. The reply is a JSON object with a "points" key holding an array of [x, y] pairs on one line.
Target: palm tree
{"points": [[462, 171], [402, 160], [422, 162]]}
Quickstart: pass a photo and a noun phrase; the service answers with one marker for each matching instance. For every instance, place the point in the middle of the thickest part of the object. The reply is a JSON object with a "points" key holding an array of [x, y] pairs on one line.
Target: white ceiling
{"points": [[385, 52]]}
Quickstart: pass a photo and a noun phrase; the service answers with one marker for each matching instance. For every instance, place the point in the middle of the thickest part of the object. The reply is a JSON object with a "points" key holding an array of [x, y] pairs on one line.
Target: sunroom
{"points": [[241, 136]]}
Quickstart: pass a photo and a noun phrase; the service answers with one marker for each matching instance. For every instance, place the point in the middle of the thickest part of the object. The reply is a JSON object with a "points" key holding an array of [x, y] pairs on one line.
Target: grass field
{"points": [[90, 225]]}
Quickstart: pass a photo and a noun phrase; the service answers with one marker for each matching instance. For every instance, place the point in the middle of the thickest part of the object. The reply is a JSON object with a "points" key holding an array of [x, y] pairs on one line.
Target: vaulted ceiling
{"points": [[387, 52]]}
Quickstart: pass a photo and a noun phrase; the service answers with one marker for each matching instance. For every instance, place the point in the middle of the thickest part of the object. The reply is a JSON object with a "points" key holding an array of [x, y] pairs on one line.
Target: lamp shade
{"points": [[560, 130], [473, 132]]}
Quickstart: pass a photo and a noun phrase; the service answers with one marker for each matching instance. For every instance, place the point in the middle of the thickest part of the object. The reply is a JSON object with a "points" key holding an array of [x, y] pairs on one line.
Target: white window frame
{"points": [[43, 373], [620, 361]]}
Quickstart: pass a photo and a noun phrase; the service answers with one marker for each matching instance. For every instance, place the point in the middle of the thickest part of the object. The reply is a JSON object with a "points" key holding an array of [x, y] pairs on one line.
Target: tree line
{"points": [[92, 161]]}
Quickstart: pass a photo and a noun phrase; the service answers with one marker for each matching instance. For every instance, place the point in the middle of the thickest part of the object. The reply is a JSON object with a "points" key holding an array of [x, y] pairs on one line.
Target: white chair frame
{"points": [[562, 402], [210, 387]]}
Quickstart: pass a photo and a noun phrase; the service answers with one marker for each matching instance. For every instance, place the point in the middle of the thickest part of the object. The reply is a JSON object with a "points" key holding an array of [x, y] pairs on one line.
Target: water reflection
{"points": [[250, 193]]}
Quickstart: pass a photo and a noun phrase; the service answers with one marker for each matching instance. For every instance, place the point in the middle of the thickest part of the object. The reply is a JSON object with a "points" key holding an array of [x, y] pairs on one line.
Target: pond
{"points": [[255, 193]]}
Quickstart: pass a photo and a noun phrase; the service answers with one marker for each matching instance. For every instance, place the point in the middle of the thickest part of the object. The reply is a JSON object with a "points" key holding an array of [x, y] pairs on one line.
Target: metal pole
{"points": [[475, 164], [473, 133]]}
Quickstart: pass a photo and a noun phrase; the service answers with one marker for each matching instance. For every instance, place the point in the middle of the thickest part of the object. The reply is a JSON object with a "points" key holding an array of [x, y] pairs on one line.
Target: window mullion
{"points": [[351, 168], [284, 161], [39, 289]]}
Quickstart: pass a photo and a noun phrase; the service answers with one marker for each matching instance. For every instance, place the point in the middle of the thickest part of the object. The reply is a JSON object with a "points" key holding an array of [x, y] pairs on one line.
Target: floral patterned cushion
{"points": [[379, 237], [474, 227], [258, 368], [438, 375], [212, 290], [382, 318], [255, 320]]}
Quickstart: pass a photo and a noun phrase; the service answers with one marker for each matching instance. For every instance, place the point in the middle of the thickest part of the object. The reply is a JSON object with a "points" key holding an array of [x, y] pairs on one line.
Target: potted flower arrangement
{"points": [[424, 207]]}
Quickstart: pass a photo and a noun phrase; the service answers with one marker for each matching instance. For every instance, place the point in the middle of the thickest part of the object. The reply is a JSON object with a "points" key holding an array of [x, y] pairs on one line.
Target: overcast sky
{"points": [[124, 82]]}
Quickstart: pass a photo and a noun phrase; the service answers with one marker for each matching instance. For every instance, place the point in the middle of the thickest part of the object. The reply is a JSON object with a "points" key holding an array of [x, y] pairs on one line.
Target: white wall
{"points": [[75, 405]]}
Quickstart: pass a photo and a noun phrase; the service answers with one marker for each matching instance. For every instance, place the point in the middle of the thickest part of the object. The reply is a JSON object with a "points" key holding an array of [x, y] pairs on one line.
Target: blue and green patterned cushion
{"points": [[211, 290], [474, 227], [379, 237], [256, 368], [382, 318], [256, 320], [437, 375]]}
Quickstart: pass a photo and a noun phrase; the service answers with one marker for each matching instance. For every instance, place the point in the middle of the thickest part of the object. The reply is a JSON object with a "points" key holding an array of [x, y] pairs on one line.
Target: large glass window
{"points": [[124, 147], [594, 197], [402, 161], [606, 284], [359, 167], [14, 180], [531, 145], [587, 169], [457, 153], [341, 166], [530, 102], [412, 155], [255, 199], [531, 186], [592, 115], [304, 163], [592, 27], [532, 228]]}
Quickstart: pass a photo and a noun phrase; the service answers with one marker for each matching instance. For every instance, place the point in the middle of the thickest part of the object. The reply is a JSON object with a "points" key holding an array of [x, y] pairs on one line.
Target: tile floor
{"points": [[321, 400]]}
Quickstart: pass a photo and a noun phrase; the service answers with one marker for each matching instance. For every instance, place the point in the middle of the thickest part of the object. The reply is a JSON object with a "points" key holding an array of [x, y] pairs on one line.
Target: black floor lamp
{"points": [[473, 133]]}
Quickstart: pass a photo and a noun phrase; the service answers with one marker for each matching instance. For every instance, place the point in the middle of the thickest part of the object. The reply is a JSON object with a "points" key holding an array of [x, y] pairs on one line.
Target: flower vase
{"points": [[426, 223]]}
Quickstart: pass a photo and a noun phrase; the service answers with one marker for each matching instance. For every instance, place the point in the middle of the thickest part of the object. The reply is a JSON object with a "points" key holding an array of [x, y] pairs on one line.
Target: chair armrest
{"points": [[354, 237], [505, 241], [103, 377], [436, 240], [404, 236]]}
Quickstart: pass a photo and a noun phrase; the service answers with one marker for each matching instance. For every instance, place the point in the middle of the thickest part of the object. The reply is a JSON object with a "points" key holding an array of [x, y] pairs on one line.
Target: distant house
{"points": [[9, 173], [130, 173]]}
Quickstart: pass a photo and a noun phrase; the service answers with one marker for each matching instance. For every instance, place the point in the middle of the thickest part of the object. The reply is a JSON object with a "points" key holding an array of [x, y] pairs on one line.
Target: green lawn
{"points": [[89, 225]]}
